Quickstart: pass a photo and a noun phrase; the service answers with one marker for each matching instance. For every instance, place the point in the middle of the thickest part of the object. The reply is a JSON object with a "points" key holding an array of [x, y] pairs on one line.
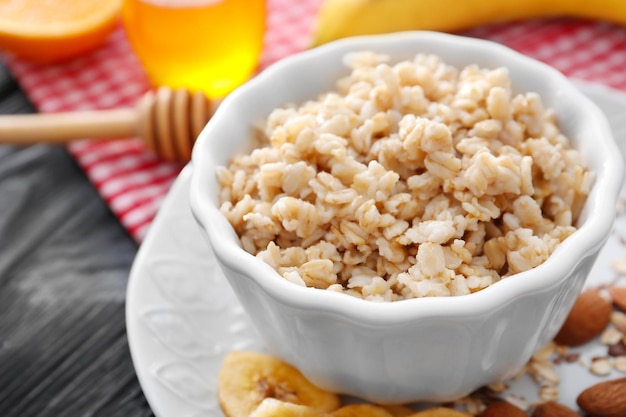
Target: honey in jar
{"points": [[208, 45]]}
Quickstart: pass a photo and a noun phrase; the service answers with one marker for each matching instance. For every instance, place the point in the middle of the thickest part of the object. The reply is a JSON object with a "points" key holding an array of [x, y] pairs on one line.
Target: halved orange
{"points": [[53, 30]]}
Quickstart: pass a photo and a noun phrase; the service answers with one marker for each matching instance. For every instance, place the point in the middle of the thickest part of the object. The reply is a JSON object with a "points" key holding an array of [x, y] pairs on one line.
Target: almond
{"points": [[619, 297], [552, 409], [503, 409], [618, 349], [606, 399], [588, 317]]}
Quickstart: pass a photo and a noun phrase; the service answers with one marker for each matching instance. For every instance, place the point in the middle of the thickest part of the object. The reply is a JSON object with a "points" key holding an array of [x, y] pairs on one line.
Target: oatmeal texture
{"points": [[412, 179]]}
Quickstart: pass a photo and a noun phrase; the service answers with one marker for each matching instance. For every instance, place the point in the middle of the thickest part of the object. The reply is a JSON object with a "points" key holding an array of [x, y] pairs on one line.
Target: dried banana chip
{"points": [[271, 407], [441, 412], [361, 410], [247, 378], [399, 410]]}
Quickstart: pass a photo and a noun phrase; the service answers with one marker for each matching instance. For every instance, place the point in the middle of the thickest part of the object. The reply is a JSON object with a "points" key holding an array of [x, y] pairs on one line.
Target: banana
{"points": [[247, 378], [398, 410], [342, 18], [271, 407], [361, 410], [441, 412]]}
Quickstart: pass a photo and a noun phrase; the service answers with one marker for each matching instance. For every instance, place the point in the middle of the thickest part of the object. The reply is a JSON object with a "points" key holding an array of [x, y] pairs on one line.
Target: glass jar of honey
{"points": [[208, 45]]}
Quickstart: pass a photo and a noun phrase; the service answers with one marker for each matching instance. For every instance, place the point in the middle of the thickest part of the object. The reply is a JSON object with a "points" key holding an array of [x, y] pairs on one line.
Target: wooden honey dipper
{"points": [[168, 121]]}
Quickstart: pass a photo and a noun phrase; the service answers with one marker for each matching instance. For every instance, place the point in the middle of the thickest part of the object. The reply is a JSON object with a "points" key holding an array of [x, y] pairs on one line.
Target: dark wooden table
{"points": [[64, 265]]}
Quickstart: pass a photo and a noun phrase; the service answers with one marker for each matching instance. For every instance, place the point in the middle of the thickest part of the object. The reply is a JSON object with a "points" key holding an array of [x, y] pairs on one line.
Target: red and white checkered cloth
{"points": [[133, 182]]}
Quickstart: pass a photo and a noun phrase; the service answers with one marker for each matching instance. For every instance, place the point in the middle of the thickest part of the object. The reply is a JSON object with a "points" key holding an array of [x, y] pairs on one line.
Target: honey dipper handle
{"points": [[28, 129]]}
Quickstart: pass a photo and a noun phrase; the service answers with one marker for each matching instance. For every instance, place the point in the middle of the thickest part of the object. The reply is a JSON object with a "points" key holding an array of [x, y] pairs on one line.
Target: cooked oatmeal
{"points": [[411, 179]]}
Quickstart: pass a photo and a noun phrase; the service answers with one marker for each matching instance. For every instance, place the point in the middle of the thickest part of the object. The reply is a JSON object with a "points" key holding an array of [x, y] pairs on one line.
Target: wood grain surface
{"points": [[64, 265]]}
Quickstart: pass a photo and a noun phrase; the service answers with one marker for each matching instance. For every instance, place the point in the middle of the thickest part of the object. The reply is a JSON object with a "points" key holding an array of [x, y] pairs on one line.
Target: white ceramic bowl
{"points": [[419, 349]]}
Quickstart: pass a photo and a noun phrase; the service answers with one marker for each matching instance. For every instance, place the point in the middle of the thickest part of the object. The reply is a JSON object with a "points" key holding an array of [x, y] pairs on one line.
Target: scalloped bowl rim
{"points": [[591, 235]]}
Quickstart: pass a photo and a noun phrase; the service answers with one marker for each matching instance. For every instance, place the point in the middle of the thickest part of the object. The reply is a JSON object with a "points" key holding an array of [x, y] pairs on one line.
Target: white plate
{"points": [[182, 316]]}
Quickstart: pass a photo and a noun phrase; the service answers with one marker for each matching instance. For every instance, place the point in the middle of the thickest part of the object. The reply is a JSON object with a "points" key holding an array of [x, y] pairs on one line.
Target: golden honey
{"points": [[208, 45]]}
